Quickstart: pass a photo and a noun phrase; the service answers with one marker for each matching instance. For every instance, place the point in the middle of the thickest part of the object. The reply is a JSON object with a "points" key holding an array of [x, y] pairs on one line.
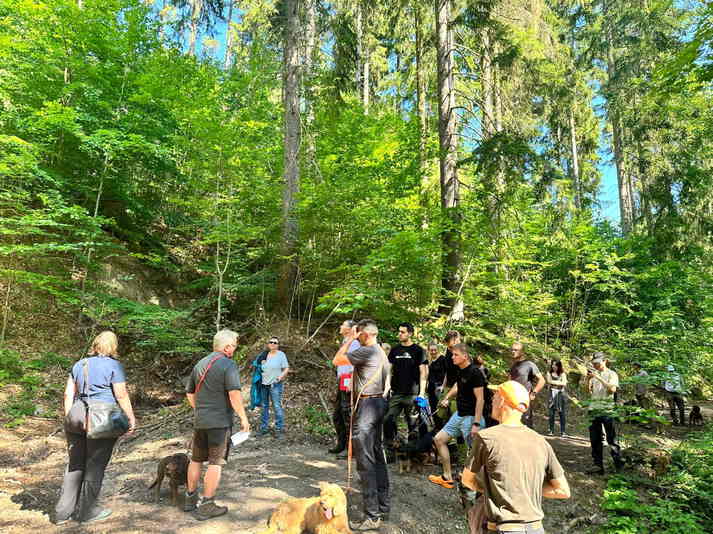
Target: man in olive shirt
{"points": [[526, 373], [369, 376], [513, 466], [213, 392]]}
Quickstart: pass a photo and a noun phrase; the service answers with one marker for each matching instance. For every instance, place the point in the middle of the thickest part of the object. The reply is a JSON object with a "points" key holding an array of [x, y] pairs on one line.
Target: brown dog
{"points": [[326, 514], [175, 467]]}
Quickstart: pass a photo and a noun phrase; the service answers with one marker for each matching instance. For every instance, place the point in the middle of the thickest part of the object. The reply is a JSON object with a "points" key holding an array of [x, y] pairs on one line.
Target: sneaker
{"points": [[342, 455], [262, 433], [564, 435], [191, 502], [335, 450], [101, 516], [368, 524], [438, 479], [209, 510], [550, 433], [62, 521], [595, 470]]}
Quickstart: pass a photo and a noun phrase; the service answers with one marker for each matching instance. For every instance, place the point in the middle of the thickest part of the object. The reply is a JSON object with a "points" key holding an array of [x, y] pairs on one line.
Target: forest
{"points": [[533, 170]]}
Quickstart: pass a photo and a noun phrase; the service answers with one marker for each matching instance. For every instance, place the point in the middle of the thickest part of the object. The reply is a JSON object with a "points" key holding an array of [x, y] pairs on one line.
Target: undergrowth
{"points": [[681, 502], [29, 373]]}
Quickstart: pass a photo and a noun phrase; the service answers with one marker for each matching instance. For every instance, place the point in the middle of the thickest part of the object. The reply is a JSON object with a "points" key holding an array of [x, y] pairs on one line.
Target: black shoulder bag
{"points": [[98, 420]]}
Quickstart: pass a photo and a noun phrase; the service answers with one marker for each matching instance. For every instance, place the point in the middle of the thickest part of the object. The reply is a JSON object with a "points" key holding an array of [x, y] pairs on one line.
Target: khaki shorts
{"points": [[211, 445]]}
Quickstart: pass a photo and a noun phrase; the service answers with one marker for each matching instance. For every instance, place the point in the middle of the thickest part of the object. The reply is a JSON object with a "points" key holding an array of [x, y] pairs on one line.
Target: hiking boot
{"points": [[209, 510], [368, 524], [336, 450], [100, 516], [191, 502], [595, 470], [438, 479]]}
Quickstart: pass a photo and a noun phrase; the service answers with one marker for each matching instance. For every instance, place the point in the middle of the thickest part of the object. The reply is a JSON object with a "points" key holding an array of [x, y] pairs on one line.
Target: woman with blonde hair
{"points": [[97, 378]]}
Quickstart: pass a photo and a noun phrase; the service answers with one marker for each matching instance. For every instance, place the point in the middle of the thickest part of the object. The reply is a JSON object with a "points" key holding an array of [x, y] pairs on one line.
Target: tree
{"points": [[291, 166], [448, 155]]}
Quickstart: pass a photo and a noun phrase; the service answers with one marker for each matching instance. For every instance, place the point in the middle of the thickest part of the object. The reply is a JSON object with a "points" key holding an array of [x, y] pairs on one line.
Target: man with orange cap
{"points": [[514, 466]]}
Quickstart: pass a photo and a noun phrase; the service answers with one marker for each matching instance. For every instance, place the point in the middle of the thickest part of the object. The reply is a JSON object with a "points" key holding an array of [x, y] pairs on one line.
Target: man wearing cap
{"points": [[603, 383], [674, 394], [514, 466], [342, 405], [526, 373]]}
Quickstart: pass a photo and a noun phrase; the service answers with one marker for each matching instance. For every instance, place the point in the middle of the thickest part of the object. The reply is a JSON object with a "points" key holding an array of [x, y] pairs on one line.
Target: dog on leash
{"points": [[175, 467], [696, 417], [326, 514], [412, 455]]}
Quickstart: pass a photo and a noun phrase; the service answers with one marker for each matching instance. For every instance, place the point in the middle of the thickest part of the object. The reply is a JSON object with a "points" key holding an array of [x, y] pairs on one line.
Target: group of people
{"points": [[521, 465], [374, 388]]}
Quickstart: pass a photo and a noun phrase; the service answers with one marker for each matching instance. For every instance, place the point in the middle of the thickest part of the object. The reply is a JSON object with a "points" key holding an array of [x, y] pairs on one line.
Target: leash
{"points": [[353, 411]]}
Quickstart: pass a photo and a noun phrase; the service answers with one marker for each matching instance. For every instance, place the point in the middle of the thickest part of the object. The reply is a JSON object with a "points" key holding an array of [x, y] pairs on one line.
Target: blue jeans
{"points": [[274, 393]]}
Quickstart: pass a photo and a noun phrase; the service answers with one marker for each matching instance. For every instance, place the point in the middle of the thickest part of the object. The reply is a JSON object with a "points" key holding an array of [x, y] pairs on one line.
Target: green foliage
{"points": [[318, 421], [682, 502]]}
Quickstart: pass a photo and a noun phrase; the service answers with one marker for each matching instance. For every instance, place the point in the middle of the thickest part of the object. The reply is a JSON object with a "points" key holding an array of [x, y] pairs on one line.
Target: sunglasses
{"points": [[274, 342]]}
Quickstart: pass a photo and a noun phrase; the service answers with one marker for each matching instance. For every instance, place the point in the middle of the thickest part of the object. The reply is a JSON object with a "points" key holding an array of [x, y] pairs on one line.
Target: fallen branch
{"points": [[324, 403]]}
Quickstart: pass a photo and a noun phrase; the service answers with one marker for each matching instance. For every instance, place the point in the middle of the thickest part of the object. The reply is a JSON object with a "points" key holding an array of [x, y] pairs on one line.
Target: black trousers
{"points": [[83, 476], [595, 438], [369, 454], [340, 417], [675, 400]]}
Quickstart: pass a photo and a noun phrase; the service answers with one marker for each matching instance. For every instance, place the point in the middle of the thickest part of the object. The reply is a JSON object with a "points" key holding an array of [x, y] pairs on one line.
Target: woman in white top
{"points": [[557, 399], [274, 371]]}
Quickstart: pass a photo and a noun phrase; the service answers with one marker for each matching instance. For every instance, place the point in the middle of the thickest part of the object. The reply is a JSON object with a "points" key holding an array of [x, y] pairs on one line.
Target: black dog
{"points": [[696, 417], [175, 467]]}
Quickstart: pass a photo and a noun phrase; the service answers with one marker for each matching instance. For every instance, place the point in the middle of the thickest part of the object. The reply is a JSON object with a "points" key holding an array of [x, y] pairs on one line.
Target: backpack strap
{"points": [[205, 372]]}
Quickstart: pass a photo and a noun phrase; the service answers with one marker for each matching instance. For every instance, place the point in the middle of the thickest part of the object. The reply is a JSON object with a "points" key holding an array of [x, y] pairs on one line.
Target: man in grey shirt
{"points": [[369, 375], [213, 390]]}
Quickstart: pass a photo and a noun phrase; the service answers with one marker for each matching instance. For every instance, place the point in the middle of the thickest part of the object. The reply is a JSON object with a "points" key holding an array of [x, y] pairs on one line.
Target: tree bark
{"points": [[448, 145], [421, 107], [229, 40], [310, 53], [291, 186], [626, 200], [574, 167], [196, 7]]}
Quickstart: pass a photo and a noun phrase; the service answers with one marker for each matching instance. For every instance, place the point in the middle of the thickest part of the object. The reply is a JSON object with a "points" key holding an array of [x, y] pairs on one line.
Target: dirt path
{"points": [[259, 474]]}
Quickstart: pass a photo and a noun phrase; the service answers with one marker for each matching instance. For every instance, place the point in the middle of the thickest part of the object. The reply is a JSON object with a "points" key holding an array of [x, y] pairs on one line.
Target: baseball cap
{"points": [[599, 357], [514, 394]]}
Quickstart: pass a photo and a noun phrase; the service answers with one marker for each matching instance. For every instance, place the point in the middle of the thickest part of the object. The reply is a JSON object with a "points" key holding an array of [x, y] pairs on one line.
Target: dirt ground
{"points": [[259, 474]]}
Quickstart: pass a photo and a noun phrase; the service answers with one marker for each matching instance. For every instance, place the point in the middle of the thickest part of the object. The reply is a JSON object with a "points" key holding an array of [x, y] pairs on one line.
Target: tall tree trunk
{"points": [[626, 200], [196, 7], [229, 40], [421, 107], [310, 54], [448, 145], [359, 34], [574, 167], [291, 81]]}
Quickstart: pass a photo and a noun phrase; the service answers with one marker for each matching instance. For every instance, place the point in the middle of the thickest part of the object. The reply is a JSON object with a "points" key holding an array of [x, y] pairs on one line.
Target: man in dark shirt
{"points": [[370, 369], [526, 373], [469, 391], [406, 379], [213, 390], [514, 467]]}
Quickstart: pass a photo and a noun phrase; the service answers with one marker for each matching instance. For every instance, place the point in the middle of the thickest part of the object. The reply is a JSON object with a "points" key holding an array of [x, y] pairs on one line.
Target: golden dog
{"points": [[326, 514]]}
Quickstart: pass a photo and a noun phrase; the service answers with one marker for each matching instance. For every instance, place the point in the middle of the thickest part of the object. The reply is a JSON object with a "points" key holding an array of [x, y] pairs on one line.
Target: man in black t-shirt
{"points": [[469, 391], [406, 379], [526, 373]]}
